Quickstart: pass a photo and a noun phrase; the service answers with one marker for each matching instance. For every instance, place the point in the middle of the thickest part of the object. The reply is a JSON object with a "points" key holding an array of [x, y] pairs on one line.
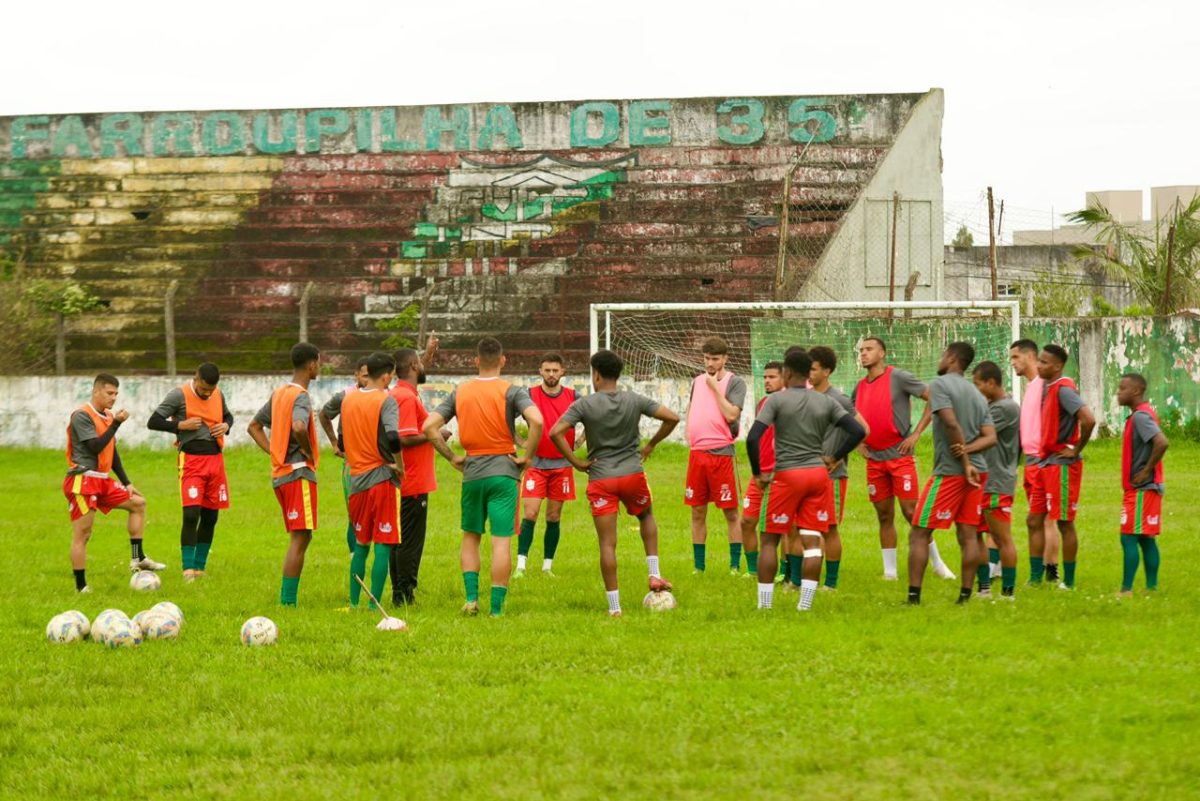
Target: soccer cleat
{"points": [[1062, 585], [890, 577], [615, 613], [789, 587], [942, 571], [189, 576], [145, 563], [985, 594], [1009, 598], [549, 574], [519, 573], [827, 588], [659, 584], [1121, 594], [779, 579], [198, 574], [748, 575], [471, 608], [733, 571], [84, 588]]}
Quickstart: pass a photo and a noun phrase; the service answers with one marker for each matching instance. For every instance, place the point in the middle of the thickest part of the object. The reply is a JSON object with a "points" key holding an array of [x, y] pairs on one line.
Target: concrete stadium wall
{"points": [[505, 219]]}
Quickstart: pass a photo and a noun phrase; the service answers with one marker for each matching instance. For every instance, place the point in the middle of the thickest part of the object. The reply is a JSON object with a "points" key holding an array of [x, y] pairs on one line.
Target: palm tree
{"points": [[1162, 269]]}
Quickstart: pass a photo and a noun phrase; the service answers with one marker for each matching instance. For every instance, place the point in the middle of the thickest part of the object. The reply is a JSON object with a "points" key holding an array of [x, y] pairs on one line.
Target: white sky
{"points": [[1044, 100]]}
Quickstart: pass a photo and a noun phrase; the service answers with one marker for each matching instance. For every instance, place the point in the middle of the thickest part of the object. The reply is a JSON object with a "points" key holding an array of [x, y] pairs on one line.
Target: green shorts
{"points": [[491, 500]]}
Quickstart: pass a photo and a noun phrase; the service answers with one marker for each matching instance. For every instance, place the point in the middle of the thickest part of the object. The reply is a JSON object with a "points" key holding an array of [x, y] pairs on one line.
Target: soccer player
{"points": [[752, 504], [824, 362], [198, 417], [1067, 425], [371, 442], [419, 478], [92, 460], [884, 399], [610, 419], [713, 416], [551, 477], [293, 448], [799, 487], [954, 492], [1001, 483], [1144, 445], [329, 412], [486, 407], [1043, 530]]}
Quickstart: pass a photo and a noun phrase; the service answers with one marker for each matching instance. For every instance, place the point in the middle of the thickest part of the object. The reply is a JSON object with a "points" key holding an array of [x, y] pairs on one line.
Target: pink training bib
{"points": [[707, 428]]}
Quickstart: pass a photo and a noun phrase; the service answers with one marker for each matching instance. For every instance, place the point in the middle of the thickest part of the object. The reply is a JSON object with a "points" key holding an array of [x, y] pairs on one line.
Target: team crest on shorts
{"points": [[946, 515], [907, 484], [823, 516], [600, 503], [529, 484], [223, 494], [1124, 517], [780, 519], [689, 493], [386, 528], [193, 492], [1152, 520], [293, 515], [870, 489], [746, 502]]}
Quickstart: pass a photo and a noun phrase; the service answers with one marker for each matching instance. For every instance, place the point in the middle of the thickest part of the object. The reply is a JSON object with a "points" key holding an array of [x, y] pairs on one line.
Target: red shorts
{"points": [[836, 500], [752, 503], [557, 485], [375, 514], [605, 494], [798, 497], [89, 493], [1141, 513], [711, 479], [298, 502], [947, 500], [1033, 489], [1060, 483], [894, 478], [996, 506], [202, 481]]}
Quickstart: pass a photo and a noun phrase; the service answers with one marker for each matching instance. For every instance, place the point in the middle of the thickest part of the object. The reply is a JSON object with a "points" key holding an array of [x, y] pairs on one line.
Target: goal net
{"points": [[661, 341]]}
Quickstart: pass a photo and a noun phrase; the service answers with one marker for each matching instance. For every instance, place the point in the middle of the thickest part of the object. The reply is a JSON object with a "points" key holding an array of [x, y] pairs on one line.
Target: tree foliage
{"points": [[403, 325]]}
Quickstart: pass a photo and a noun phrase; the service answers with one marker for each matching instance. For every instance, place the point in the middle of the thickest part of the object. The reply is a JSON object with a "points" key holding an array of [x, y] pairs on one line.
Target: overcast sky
{"points": [[1044, 100]]}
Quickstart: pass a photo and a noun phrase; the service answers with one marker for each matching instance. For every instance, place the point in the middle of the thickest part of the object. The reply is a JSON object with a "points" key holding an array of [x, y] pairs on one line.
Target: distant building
{"points": [[1126, 207]]}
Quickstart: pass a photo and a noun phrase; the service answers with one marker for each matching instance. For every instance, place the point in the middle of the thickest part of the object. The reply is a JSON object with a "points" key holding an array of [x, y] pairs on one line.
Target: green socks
{"points": [[1129, 550], [1008, 580], [994, 555], [1151, 558], [795, 569], [350, 537], [379, 568], [498, 595], [189, 557], [525, 538], [698, 555], [735, 555], [752, 561], [358, 567], [831, 572], [983, 574], [1069, 573], [1130, 546], [471, 585], [1036, 569], [553, 531], [288, 590], [202, 549]]}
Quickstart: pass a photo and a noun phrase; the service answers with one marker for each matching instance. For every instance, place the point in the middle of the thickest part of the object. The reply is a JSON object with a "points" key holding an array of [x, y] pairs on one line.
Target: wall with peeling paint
{"points": [[505, 219]]}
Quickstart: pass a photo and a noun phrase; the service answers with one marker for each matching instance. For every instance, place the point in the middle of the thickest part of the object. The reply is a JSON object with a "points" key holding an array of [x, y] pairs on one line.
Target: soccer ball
{"points": [[145, 581], [659, 601], [259, 631], [64, 628], [84, 624], [170, 609], [159, 626], [104, 623], [140, 617], [392, 624], [123, 634]]}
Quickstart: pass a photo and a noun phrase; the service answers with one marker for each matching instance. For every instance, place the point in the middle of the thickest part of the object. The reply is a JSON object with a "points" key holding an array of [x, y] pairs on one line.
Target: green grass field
{"points": [[1061, 695]]}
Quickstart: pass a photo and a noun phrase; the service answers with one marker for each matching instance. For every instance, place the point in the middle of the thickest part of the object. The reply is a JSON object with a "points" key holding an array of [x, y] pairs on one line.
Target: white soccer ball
{"points": [[64, 628], [159, 626], [259, 631], [104, 623], [145, 581], [123, 634], [659, 601], [392, 624], [84, 624], [171, 609]]}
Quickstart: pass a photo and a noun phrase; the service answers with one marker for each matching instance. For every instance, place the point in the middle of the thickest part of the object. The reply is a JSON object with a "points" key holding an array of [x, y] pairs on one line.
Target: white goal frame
{"points": [[1012, 307]]}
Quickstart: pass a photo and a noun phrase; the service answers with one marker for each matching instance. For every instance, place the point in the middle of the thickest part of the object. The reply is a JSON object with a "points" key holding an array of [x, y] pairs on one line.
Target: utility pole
{"points": [[1166, 304], [992, 245], [892, 264]]}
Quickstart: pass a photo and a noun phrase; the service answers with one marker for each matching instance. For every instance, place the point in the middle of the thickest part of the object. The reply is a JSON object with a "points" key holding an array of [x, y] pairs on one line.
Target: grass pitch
{"points": [[1060, 695]]}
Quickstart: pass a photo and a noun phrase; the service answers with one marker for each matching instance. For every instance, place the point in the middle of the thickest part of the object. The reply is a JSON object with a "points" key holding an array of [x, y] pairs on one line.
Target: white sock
{"points": [[547, 564], [889, 561], [808, 591], [614, 600], [652, 566], [935, 558], [995, 566], [520, 562], [766, 594]]}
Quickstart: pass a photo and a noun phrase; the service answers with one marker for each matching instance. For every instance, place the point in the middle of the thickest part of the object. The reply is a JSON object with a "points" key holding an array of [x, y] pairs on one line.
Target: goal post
{"points": [[662, 340]]}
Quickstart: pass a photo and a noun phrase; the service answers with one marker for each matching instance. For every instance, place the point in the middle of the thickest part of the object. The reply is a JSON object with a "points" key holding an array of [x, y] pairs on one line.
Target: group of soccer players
{"points": [[803, 433]]}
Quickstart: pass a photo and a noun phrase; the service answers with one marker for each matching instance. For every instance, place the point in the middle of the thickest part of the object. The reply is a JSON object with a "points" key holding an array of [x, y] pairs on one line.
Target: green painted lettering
{"points": [[610, 124], [326, 122], [123, 129], [364, 130], [813, 125], [500, 121], [640, 124], [70, 133], [26, 130], [387, 134], [749, 119], [435, 124], [171, 134], [287, 133], [223, 134]]}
